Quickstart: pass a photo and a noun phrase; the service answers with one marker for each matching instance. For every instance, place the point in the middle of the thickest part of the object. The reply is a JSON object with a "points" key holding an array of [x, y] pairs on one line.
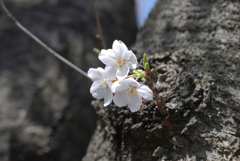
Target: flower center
{"points": [[103, 84], [119, 61], [132, 91]]}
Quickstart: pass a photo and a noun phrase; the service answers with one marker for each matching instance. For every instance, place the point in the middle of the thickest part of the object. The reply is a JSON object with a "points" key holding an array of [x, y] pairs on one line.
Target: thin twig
{"points": [[15, 21], [99, 25], [178, 60], [151, 85], [160, 107]]}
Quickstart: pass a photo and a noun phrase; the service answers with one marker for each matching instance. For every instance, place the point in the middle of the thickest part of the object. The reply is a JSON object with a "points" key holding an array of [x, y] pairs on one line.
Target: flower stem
{"points": [[130, 76], [101, 38], [22, 28], [151, 85], [161, 106]]}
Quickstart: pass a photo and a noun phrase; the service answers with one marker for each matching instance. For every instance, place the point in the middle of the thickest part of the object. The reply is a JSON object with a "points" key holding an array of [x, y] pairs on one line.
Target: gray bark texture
{"points": [[194, 48], [45, 106]]}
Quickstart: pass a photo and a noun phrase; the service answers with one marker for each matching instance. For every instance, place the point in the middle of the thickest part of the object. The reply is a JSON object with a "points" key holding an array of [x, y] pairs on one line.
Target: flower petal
{"points": [[131, 60], [99, 93], [95, 74], [120, 99], [119, 86], [119, 48], [115, 85], [132, 82], [107, 57], [110, 72], [109, 83], [122, 72], [96, 85], [145, 92], [134, 102], [96, 91], [108, 96]]}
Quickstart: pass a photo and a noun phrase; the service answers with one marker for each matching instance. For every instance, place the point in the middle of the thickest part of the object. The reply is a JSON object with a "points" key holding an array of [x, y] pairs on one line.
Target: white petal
{"points": [[132, 82], [120, 99], [145, 92], [99, 93], [115, 85], [108, 96], [109, 83], [119, 86], [110, 72], [122, 72], [131, 60], [107, 57], [96, 85], [96, 91], [95, 74], [134, 102], [119, 48]]}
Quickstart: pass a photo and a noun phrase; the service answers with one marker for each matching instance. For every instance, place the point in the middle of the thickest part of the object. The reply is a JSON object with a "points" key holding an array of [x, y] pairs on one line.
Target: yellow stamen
{"points": [[103, 84], [132, 91], [119, 61]]}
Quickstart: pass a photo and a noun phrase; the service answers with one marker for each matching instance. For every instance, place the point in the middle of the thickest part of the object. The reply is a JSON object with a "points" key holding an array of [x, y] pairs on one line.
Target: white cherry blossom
{"points": [[130, 92], [101, 87], [118, 60]]}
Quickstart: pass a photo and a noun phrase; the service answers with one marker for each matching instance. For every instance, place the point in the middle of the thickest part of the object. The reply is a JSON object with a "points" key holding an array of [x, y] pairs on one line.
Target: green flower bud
{"points": [[145, 59], [139, 73], [95, 50], [152, 70], [97, 36], [147, 66]]}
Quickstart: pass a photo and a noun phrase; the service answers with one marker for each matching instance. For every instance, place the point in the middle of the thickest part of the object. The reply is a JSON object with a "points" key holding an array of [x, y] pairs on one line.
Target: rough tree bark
{"points": [[45, 106], [195, 51]]}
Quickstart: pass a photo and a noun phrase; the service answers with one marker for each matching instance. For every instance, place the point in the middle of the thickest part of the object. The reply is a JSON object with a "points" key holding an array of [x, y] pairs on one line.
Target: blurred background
{"points": [[45, 106], [143, 9]]}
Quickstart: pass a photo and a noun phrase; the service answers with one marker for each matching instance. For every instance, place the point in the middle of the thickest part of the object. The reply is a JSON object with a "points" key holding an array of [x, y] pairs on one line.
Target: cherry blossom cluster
{"points": [[113, 82]]}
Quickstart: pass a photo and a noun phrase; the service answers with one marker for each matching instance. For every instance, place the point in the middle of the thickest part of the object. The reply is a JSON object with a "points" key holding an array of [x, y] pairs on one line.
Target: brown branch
{"points": [[101, 38], [161, 107], [14, 20], [151, 85]]}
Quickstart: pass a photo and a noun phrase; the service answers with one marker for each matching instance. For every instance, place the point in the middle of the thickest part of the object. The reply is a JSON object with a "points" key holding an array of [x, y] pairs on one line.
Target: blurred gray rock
{"points": [[45, 110]]}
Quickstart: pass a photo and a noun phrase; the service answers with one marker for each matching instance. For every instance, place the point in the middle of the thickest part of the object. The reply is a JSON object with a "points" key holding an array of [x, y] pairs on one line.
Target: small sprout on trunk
{"points": [[96, 50], [139, 73]]}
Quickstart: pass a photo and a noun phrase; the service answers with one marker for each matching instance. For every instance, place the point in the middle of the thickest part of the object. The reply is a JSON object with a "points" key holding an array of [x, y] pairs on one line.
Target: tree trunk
{"points": [[195, 51]]}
